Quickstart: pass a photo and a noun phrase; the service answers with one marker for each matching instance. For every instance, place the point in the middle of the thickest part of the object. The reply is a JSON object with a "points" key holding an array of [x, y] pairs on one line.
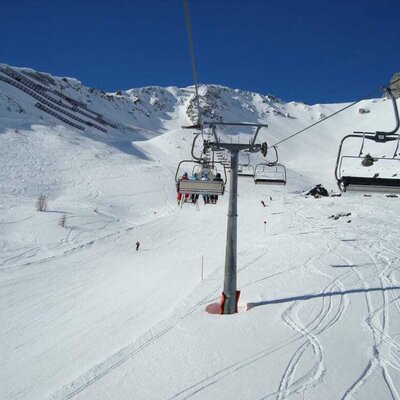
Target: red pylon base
{"points": [[223, 299]]}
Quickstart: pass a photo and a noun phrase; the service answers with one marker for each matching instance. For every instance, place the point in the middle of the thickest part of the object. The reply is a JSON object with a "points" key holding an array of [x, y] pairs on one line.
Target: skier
{"points": [[179, 198], [137, 245]]}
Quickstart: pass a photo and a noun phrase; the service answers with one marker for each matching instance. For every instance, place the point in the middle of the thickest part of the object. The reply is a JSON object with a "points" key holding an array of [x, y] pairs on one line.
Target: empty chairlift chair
{"points": [[270, 174], [245, 169]]}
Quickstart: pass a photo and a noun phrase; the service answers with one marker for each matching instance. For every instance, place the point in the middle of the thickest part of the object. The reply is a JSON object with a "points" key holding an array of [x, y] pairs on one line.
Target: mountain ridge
{"points": [[136, 104], [131, 120]]}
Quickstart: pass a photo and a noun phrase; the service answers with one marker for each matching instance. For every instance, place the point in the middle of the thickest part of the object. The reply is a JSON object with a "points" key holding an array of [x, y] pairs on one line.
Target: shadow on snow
{"points": [[319, 295]]}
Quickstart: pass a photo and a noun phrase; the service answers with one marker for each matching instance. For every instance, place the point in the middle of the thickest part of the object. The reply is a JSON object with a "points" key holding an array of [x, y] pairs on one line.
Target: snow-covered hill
{"points": [[85, 316]]}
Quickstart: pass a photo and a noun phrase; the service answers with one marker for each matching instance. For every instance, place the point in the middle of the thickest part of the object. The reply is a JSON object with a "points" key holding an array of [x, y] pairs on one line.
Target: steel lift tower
{"points": [[229, 302]]}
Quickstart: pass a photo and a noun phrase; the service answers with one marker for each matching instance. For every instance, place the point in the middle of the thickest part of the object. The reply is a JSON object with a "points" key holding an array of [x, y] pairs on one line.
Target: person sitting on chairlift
{"points": [[206, 197], [194, 197], [214, 197], [184, 177], [367, 161]]}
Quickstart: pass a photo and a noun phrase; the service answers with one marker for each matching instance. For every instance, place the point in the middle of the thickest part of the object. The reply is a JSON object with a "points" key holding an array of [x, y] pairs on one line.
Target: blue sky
{"points": [[311, 51]]}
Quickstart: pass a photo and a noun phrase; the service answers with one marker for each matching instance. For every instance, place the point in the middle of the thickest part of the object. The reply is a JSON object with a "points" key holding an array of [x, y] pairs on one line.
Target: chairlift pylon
{"points": [[379, 174]]}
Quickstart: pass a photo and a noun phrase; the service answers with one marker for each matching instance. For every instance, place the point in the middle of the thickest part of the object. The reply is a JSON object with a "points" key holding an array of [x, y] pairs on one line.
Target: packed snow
{"points": [[86, 316]]}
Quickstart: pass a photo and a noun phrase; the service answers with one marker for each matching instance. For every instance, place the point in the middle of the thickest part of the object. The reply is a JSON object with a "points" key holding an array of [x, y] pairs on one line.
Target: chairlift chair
{"points": [[210, 187], [270, 174], [245, 169], [383, 174]]}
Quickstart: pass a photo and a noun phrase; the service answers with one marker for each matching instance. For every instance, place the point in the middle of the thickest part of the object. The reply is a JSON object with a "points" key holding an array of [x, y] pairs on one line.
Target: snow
{"points": [[86, 316]]}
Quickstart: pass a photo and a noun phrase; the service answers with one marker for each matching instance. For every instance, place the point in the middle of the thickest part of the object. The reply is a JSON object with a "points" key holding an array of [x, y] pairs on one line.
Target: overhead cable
{"points": [[192, 59], [333, 114]]}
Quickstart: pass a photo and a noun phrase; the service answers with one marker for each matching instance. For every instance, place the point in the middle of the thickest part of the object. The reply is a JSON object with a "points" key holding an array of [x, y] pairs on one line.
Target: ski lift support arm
{"points": [[380, 136], [252, 146], [197, 134], [272, 163]]}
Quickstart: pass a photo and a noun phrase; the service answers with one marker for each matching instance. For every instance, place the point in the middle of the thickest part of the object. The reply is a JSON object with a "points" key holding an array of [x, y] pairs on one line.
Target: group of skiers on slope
{"points": [[208, 199]]}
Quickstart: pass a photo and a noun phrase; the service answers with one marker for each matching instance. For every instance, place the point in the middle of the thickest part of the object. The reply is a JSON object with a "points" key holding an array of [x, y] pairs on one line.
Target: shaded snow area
{"points": [[86, 316]]}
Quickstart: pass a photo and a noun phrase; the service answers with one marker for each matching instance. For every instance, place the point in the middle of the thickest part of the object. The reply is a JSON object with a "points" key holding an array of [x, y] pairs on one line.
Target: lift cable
{"points": [[193, 62], [333, 114]]}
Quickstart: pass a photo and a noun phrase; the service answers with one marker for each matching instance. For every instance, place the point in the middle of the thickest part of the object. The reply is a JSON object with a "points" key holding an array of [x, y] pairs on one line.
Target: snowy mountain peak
{"points": [[29, 97], [45, 98]]}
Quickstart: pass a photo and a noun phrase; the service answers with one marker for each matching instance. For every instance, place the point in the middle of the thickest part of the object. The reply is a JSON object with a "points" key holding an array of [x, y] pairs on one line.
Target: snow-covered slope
{"points": [[85, 316]]}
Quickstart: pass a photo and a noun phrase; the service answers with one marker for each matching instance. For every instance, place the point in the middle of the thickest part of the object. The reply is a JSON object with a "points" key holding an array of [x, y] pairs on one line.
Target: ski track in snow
{"points": [[108, 196], [331, 309], [148, 338], [379, 333], [299, 376], [310, 330], [118, 359]]}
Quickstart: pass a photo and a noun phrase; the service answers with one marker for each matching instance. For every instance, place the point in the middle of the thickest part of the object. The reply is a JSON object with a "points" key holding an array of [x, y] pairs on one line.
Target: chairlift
{"points": [[202, 167], [245, 169], [222, 156], [270, 174], [200, 186], [370, 173], [206, 168]]}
